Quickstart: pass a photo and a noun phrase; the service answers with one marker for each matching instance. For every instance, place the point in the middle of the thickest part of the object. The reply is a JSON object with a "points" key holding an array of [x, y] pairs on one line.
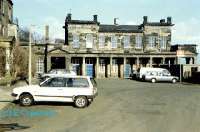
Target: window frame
{"points": [[76, 41], [138, 41], [163, 42], [101, 41], [151, 41], [89, 41], [114, 42], [126, 41]]}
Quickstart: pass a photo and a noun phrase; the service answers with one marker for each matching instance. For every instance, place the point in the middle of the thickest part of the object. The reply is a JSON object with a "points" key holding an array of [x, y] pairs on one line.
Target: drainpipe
{"points": [[46, 47]]}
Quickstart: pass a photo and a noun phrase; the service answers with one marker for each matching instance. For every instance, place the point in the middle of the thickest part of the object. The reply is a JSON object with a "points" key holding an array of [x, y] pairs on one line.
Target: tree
{"points": [[2, 61]]}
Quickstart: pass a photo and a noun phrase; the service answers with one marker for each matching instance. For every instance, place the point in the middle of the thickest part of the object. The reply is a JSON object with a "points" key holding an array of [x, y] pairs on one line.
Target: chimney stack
{"points": [[115, 21], [95, 18], [169, 20], [69, 17], [162, 21], [145, 20]]}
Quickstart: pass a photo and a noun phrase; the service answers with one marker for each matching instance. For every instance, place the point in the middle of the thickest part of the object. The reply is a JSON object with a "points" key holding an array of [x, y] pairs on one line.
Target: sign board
{"points": [[180, 53]]}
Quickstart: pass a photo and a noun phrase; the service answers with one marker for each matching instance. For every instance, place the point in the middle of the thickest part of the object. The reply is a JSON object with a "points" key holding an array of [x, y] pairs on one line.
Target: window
{"points": [[3, 7], [152, 41], [77, 82], [54, 82], [102, 64], [89, 41], [163, 41], [113, 41], [40, 65], [126, 41], [101, 41], [138, 41], [115, 65], [75, 41]]}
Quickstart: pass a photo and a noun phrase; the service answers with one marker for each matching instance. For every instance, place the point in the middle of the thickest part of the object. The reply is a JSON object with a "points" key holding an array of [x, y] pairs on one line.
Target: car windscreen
{"points": [[94, 83]]}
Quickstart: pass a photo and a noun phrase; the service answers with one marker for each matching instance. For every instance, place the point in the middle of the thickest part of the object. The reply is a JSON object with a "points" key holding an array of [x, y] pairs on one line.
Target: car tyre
{"points": [[26, 100], [153, 80], [174, 80], [81, 102]]}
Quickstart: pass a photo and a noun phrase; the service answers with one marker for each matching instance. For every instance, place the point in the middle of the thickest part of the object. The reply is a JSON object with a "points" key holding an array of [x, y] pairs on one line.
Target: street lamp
{"points": [[30, 56]]}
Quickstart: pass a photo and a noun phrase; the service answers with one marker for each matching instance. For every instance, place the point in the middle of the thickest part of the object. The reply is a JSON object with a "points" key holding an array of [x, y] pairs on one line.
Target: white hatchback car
{"points": [[78, 89]]}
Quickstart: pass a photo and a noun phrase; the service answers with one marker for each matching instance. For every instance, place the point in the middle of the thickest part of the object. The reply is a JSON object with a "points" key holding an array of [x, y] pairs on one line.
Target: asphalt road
{"points": [[122, 106]]}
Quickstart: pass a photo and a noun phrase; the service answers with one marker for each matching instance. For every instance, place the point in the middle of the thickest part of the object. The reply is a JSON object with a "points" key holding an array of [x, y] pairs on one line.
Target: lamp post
{"points": [[180, 53], [30, 56]]}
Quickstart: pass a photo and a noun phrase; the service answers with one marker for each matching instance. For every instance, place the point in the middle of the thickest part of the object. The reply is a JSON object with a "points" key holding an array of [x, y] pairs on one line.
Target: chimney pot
{"points": [[95, 18], [169, 20], [145, 20]]}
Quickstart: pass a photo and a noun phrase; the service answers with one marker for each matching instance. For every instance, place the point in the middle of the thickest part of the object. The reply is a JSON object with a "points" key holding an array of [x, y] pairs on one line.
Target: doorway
{"points": [[58, 63]]}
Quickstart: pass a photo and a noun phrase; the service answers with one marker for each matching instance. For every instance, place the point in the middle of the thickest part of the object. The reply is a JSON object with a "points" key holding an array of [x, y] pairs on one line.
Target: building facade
{"points": [[8, 34], [105, 51]]}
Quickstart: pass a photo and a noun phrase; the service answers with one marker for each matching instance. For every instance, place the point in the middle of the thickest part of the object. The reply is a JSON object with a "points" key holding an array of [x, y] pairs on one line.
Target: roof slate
{"points": [[120, 28]]}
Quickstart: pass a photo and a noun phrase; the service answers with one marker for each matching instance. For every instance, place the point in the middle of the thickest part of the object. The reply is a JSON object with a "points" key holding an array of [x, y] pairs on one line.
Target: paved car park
{"points": [[122, 105]]}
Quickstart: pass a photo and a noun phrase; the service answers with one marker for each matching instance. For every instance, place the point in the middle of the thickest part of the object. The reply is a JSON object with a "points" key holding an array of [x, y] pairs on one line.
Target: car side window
{"points": [[77, 82], [55, 82]]}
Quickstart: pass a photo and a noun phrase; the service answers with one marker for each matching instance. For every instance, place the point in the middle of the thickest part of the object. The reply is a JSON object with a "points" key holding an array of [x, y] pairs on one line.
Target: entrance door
{"points": [[58, 63]]}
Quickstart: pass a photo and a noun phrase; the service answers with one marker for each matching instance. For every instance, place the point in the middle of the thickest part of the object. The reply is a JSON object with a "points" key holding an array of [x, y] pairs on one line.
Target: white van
{"points": [[156, 74]]}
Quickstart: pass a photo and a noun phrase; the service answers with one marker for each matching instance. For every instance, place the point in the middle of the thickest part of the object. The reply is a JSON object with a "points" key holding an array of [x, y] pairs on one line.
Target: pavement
{"points": [[5, 94], [121, 106]]}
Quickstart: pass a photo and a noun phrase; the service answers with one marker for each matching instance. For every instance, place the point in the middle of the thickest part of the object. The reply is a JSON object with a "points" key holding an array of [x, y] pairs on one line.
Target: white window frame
{"points": [[113, 41], [138, 41], [163, 42], [40, 65], [126, 41], [75, 41], [152, 40], [89, 41], [101, 41]]}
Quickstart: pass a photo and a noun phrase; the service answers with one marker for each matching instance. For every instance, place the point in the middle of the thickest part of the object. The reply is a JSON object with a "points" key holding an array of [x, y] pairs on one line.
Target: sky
{"points": [[184, 13]]}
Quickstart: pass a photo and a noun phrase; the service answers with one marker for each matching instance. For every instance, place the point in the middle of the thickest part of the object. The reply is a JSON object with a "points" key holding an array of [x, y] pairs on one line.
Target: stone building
{"points": [[8, 33], [114, 50]]}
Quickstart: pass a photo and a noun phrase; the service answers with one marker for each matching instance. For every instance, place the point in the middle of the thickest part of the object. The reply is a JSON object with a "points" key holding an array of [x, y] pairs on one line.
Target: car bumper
{"points": [[15, 96]]}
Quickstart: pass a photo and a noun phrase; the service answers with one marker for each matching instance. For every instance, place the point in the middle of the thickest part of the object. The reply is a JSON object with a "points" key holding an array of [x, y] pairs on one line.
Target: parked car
{"points": [[157, 75], [78, 89], [133, 74], [54, 72]]}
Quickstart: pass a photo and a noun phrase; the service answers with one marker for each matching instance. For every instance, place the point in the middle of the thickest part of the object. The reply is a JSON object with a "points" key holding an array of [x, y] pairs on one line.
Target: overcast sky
{"points": [[185, 14]]}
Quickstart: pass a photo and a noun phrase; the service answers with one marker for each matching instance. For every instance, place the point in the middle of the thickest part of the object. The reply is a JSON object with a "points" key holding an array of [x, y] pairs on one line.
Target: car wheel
{"points": [[81, 102], [26, 100], [153, 80], [174, 80]]}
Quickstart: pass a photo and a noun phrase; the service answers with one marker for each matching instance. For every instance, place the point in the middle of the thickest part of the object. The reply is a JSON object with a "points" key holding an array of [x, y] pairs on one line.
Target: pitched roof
{"points": [[158, 24], [120, 28], [82, 22]]}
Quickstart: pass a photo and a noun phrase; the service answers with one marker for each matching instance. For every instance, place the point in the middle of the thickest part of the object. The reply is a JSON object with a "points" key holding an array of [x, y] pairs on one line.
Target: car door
{"points": [[74, 87], [51, 90]]}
